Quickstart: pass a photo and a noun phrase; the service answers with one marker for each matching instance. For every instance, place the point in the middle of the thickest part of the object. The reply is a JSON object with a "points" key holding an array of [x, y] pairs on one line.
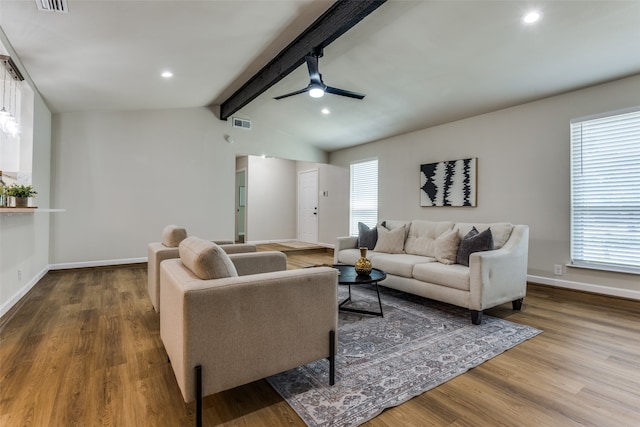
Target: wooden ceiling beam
{"points": [[337, 20]]}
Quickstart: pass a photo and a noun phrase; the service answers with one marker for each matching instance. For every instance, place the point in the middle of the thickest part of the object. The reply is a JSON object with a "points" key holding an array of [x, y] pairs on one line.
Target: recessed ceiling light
{"points": [[325, 111], [167, 74], [531, 17]]}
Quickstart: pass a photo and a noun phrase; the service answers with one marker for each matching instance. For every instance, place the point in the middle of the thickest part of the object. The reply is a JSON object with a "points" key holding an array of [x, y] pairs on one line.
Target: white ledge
{"points": [[29, 210]]}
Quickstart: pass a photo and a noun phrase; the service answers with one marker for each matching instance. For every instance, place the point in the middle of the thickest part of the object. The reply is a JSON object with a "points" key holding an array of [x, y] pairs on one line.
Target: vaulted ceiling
{"points": [[420, 63]]}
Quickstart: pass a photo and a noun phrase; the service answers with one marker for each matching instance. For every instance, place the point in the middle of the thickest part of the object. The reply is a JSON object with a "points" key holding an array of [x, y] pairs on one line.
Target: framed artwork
{"points": [[450, 183]]}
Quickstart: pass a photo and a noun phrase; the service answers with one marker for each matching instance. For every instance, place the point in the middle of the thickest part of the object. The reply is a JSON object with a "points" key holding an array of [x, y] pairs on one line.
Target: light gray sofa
{"points": [[492, 277], [167, 248], [224, 323]]}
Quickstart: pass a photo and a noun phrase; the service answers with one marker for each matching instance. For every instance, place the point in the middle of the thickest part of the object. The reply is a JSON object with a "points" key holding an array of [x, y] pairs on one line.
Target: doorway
{"points": [[308, 206], [241, 205]]}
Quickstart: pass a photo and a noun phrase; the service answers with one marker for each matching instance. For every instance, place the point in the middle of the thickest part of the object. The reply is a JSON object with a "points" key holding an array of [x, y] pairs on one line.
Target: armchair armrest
{"points": [[240, 329], [258, 262], [500, 276], [346, 242], [156, 253], [238, 248], [223, 242]]}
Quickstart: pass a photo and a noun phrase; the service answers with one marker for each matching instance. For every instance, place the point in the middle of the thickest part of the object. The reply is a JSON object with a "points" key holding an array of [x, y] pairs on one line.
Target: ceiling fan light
{"points": [[316, 92]]}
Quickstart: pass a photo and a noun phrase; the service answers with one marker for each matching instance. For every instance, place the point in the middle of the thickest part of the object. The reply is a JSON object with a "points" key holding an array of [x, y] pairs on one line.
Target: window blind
{"points": [[363, 206], [605, 191]]}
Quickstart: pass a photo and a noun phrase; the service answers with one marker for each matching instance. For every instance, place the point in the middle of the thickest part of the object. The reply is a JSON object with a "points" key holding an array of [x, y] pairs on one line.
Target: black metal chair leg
{"points": [[198, 372]]}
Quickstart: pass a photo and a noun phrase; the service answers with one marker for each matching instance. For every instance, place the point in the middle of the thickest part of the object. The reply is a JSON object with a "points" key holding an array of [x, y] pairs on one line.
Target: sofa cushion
{"points": [[367, 237], [422, 236], [399, 264], [206, 259], [446, 247], [501, 231], [350, 256], [392, 224], [172, 235], [453, 276], [472, 242], [390, 241]]}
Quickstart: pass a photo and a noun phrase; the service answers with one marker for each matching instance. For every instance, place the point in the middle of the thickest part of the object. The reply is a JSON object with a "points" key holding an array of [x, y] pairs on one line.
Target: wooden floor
{"points": [[83, 349]]}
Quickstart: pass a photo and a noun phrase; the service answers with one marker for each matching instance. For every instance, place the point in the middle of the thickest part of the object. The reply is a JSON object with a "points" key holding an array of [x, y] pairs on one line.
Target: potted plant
{"points": [[21, 194]]}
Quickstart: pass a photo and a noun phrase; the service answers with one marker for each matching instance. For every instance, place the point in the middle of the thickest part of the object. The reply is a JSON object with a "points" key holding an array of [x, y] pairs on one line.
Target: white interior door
{"points": [[308, 206]]}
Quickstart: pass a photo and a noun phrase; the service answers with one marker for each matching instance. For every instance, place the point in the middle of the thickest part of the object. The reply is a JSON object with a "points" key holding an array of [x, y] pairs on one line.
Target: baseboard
{"points": [[103, 263], [21, 293], [586, 287]]}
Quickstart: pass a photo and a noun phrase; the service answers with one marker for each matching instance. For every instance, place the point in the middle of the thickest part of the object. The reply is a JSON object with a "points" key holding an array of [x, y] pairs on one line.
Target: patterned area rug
{"points": [[383, 362]]}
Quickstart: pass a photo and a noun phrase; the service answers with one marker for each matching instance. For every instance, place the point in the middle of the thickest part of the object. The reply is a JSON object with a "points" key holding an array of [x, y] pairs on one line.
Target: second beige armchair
{"points": [[167, 248]]}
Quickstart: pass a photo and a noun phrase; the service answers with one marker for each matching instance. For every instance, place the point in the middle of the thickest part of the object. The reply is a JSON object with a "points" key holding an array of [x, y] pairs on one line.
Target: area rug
{"points": [[383, 362]]}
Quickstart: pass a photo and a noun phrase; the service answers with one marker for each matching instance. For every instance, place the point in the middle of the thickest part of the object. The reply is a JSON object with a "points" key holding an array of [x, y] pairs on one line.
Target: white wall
{"points": [[123, 176], [523, 173], [271, 200], [24, 238]]}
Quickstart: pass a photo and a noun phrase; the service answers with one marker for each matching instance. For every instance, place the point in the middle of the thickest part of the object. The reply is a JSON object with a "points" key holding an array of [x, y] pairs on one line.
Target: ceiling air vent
{"points": [[241, 123], [59, 6]]}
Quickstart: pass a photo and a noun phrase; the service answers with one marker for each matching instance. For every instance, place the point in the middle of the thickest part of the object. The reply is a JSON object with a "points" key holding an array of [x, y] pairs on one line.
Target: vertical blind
{"points": [[605, 191], [363, 205]]}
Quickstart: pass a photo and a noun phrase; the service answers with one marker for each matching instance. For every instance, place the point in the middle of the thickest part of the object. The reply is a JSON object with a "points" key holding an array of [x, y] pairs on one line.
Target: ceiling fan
{"points": [[316, 87]]}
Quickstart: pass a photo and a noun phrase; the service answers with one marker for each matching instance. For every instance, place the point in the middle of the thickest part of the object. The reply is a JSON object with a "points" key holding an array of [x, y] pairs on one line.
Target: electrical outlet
{"points": [[19, 275], [557, 269]]}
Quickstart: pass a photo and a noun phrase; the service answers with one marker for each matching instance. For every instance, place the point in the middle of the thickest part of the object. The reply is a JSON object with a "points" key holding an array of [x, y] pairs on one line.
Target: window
{"points": [[363, 206], [16, 123], [605, 191]]}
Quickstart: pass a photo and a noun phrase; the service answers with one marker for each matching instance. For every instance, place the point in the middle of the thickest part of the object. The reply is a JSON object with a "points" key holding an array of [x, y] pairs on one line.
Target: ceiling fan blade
{"points": [[343, 92], [306, 89], [314, 73]]}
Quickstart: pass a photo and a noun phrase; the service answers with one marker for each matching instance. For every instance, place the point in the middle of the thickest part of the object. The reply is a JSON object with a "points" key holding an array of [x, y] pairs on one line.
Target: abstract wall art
{"points": [[450, 183]]}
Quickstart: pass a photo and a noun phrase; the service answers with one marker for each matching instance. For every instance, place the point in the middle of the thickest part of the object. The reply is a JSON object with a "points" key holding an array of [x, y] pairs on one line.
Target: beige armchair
{"points": [[157, 252], [224, 324]]}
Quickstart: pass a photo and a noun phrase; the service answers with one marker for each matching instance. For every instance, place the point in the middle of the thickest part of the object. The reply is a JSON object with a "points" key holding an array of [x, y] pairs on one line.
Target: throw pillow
{"points": [[447, 244], [474, 242], [390, 241], [172, 235], [421, 239], [206, 259], [367, 237]]}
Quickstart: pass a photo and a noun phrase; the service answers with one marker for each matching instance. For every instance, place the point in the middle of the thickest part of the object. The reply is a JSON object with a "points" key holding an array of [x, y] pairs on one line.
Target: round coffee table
{"points": [[349, 277]]}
